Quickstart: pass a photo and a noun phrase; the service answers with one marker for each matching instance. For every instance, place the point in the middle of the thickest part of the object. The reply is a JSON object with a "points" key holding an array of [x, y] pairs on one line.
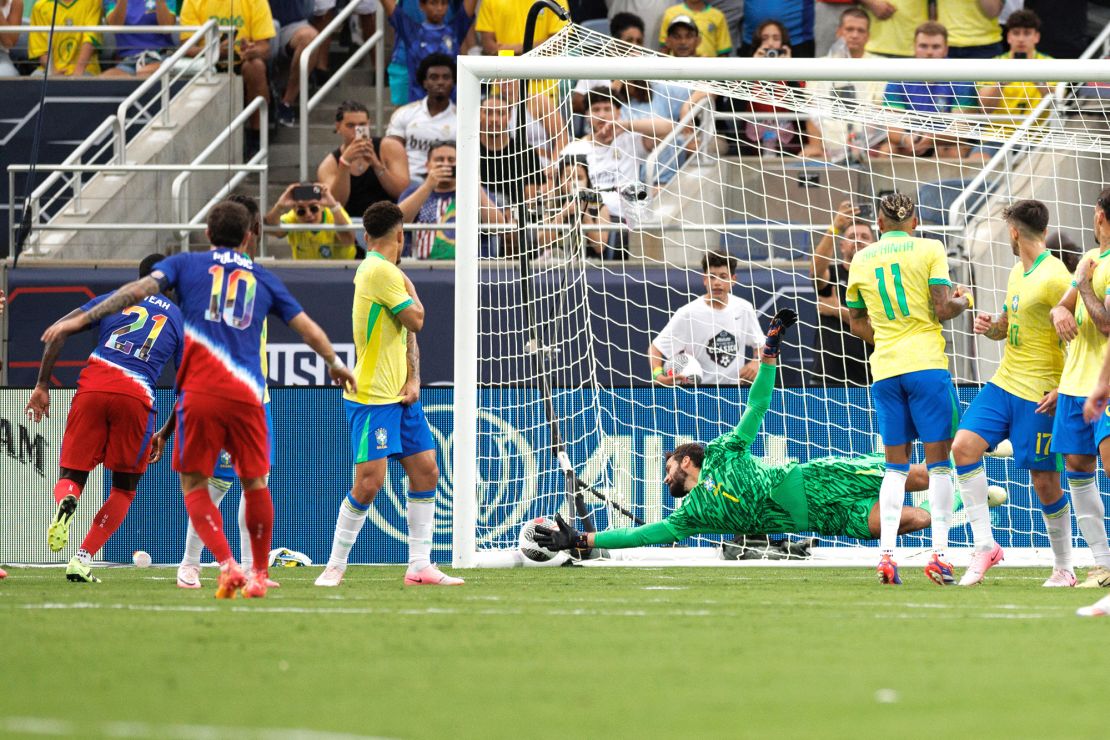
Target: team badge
{"points": [[709, 484], [1014, 304], [382, 437]]}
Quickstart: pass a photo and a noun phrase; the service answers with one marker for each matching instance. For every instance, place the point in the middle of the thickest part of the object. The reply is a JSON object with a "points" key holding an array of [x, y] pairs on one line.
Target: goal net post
{"points": [[566, 274]]}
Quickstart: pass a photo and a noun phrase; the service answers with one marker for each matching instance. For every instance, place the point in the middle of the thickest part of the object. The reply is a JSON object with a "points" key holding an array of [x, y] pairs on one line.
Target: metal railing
{"points": [[307, 104], [694, 119], [179, 189]]}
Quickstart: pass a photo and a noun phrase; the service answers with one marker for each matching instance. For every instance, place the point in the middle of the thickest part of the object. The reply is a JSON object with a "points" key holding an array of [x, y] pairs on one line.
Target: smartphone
{"points": [[1020, 55], [454, 172], [866, 211], [362, 132], [307, 192]]}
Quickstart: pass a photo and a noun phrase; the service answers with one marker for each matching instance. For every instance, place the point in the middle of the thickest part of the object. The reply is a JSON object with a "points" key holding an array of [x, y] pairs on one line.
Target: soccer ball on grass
{"points": [[528, 547]]}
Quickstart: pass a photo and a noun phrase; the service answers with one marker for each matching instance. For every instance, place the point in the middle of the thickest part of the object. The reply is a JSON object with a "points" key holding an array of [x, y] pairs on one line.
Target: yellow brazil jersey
{"points": [[265, 362], [1034, 356], [894, 35], [1085, 352], [380, 338], [67, 46], [317, 245], [967, 24], [505, 20], [712, 29], [891, 279], [252, 18]]}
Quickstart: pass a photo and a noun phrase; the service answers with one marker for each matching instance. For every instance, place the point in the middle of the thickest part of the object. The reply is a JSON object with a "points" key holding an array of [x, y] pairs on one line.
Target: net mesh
{"points": [[597, 215]]}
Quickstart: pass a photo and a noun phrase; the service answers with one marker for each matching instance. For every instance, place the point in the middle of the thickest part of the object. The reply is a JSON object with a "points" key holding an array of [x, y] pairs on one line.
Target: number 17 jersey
{"points": [[891, 279], [225, 298]]}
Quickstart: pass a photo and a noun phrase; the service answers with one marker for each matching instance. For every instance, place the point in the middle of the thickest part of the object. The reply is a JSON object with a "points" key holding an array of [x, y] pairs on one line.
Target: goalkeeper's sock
{"points": [[107, 520], [257, 516], [1057, 522], [941, 491], [209, 524], [352, 515], [217, 489], [973, 484], [892, 494], [421, 515], [1090, 514]]}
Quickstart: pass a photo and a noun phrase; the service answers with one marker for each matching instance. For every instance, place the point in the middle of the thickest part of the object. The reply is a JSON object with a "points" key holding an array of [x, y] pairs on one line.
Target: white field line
{"points": [[48, 726]]}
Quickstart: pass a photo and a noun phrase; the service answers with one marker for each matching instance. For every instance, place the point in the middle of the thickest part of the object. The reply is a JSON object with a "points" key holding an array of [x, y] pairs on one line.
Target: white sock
{"points": [[1090, 515], [1057, 521], [421, 516], [246, 555], [892, 494], [973, 489], [942, 492], [352, 515], [194, 546]]}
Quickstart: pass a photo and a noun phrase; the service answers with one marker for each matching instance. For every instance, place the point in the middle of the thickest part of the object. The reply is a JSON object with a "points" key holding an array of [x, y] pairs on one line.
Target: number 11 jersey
{"points": [[891, 279], [225, 297]]}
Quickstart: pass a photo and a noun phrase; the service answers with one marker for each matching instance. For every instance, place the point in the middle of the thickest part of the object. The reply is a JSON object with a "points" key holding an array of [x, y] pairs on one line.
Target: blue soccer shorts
{"points": [[387, 430], [919, 405], [1070, 434], [225, 466], [996, 415]]}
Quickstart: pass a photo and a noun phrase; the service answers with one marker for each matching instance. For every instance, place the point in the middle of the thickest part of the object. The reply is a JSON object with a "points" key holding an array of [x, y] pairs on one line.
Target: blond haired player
{"points": [[1082, 319], [1018, 402], [899, 292], [385, 415]]}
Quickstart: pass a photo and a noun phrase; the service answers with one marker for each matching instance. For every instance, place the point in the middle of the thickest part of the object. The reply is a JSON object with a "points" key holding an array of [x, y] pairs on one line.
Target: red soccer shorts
{"points": [[108, 428], [207, 424]]}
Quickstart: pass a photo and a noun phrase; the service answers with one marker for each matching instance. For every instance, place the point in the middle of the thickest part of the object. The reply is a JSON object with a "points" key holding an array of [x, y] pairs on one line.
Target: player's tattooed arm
{"points": [[410, 393], [128, 295], [1096, 305], [992, 327], [948, 303], [860, 324]]}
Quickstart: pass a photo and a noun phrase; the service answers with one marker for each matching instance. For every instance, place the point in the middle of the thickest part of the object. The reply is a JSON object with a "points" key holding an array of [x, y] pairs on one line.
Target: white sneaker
{"points": [[1060, 578], [188, 576], [331, 577], [1100, 608]]}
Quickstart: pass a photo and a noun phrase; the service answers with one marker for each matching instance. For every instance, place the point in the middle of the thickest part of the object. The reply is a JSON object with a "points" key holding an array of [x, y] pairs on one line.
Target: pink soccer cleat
{"points": [[939, 572], [887, 571], [271, 583], [231, 580], [331, 577], [188, 576], [981, 562], [431, 576], [1100, 608], [256, 586], [1060, 578]]}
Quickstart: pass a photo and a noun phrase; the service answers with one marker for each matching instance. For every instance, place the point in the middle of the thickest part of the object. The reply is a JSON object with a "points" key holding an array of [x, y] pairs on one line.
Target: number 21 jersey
{"points": [[225, 298], [891, 279]]}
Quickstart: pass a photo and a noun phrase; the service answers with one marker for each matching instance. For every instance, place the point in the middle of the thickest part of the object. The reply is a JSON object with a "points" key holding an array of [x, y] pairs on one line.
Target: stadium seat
{"points": [[934, 199], [766, 243]]}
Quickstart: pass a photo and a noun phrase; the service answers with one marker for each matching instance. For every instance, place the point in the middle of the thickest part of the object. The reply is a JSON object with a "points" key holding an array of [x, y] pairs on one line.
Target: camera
{"points": [[590, 201], [772, 53], [866, 211]]}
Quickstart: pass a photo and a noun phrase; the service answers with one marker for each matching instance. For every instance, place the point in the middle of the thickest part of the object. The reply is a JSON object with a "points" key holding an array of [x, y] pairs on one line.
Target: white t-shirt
{"points": [[419, 129], [612, 167], [715, 337]]}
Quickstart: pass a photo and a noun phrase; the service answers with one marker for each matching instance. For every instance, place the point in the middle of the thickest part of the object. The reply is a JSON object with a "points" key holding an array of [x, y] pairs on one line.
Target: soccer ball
{"points": [[528, 546], [141, 559]]}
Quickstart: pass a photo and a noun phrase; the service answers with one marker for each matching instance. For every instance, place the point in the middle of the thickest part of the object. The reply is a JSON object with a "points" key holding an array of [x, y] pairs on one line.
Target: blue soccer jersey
{"points": [[225, 298], [132, 348]]}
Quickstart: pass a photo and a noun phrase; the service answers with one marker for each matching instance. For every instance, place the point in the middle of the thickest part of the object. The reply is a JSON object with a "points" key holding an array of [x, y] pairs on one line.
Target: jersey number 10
{"points": [[899, 291], [223, 304]]}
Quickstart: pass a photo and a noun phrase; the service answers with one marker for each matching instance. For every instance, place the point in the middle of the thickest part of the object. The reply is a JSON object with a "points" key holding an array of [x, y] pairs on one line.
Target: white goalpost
{"points": [[572, 255]]}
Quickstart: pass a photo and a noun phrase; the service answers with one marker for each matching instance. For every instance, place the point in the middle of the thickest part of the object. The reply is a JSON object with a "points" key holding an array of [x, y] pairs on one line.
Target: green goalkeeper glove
{"points": [[783, 320], [565, 537]]}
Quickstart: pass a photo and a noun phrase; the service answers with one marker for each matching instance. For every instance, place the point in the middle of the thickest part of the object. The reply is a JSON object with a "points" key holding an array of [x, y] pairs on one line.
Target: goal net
{"points": [[588, 204]]}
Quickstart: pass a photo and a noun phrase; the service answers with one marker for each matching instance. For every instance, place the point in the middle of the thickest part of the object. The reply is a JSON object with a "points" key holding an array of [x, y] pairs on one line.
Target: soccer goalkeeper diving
{"points": [[730, 491]]}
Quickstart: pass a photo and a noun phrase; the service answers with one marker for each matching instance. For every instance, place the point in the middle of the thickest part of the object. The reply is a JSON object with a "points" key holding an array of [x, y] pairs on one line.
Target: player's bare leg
{"points": [[209, 525], [968, 450], [369, 478], [420, 513], [942, 492], [912, 519]]}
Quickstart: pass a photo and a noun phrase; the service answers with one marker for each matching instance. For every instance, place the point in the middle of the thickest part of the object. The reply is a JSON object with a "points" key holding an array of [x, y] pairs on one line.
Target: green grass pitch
{"points": [[552, 653]]}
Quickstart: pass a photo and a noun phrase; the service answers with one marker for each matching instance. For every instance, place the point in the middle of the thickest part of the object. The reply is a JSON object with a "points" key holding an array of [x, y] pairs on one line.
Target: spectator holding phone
{"points": [[362, 170], [313, 203], [1017, 99]]}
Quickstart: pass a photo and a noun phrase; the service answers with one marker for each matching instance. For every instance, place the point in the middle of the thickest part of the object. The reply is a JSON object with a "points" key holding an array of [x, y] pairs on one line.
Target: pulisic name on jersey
{"points": [[241, 260]]}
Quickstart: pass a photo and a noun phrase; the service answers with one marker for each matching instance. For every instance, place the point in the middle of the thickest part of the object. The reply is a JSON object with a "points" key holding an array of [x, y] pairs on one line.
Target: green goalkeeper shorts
{"points": [[841, 493]]}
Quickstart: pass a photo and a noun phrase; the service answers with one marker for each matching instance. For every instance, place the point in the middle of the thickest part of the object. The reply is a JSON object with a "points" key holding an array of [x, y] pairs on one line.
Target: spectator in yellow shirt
{"points": [[716, 41], [74, 54], [255, 28], [313, 203], [501, 25]]}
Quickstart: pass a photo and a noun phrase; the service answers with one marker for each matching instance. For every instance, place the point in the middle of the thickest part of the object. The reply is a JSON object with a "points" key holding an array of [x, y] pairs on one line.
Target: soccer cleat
{"points": [[256, 586], [981, 562], [231, 580], [78, 572], [1097, 577], [188, 576], [1100, 608], [888, 571], [331, 577], [431, 576], [939, 571], [57, 534], [1060, 578]]}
